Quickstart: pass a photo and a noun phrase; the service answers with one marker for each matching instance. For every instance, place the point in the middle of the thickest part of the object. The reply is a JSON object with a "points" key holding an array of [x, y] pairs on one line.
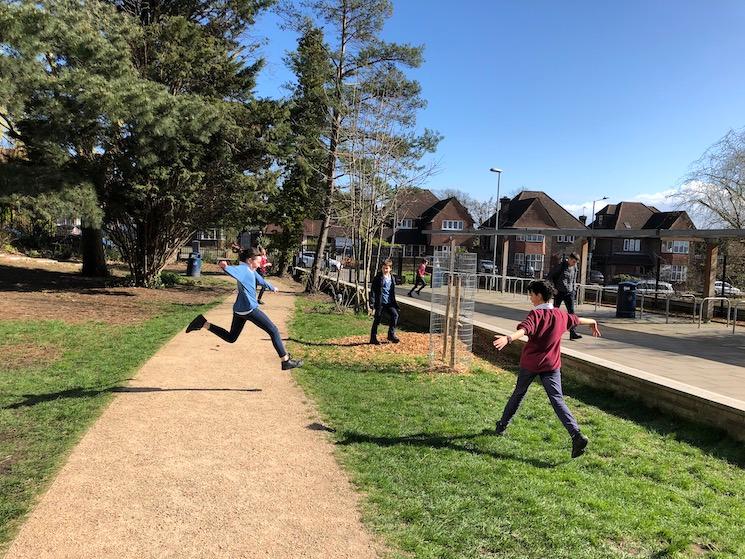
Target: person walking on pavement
{"points": [[262, 270], [383, 298], [564, 278], [420, 282]]}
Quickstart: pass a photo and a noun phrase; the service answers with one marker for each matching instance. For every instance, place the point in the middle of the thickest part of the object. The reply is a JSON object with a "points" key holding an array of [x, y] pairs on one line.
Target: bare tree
{"points": [[714, 191]]}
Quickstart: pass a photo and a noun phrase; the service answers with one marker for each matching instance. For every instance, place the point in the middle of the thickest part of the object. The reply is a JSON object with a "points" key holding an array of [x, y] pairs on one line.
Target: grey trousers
{"points": [[552, 385]]}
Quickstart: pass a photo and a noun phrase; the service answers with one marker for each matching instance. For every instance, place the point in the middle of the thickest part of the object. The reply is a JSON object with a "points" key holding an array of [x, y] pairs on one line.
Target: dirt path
{"points": [[208, 453]]}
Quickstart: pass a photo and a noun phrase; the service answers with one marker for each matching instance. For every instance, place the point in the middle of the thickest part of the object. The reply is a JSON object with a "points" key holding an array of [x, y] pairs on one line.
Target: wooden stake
{"points": [[447, 318], [456, 316]]}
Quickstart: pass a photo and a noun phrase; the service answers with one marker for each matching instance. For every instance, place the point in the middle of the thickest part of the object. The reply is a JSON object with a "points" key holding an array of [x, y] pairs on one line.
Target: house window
{"points": [[535, 261], [453, 224], [631, 245], [675, 247], [532, 238], [406, 224], [422, 250], [519, 259], [210, 235], [565, 239], [445, 248], [678, 273]]}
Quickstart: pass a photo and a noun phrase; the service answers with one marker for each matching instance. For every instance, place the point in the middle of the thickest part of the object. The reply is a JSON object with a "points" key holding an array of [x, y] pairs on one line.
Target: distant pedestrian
{"points": [[541, 357], [383, 292], [564, 278], [246, 308], [262, 270], [420, 282]]}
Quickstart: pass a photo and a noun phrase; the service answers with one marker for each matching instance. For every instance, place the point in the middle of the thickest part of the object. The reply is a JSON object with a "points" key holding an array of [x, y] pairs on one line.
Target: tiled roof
{"points": [[534, 209], [412, 203]]}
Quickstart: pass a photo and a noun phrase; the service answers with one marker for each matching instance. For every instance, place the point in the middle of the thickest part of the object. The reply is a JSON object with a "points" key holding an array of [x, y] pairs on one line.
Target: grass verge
{"points": [[55, 379], [438, 484]]}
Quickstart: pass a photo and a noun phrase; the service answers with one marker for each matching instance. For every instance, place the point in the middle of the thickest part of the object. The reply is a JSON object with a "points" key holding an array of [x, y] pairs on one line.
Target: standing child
{"points": [[246, 308], [421, 272], [541, 357], [264, 265], [384, 299]]}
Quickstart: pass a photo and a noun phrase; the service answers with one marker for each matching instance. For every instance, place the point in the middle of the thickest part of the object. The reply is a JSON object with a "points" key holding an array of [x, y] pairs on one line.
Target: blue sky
{"points": [[581, 99]]}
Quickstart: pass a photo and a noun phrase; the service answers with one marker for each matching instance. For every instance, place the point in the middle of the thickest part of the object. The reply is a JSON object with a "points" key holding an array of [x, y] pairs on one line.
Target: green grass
{"points": [[437, 484], [48, 402]]}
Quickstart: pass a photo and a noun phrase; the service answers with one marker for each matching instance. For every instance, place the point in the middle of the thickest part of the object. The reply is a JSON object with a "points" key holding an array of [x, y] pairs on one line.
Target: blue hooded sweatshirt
{"points": [[247, 279]]}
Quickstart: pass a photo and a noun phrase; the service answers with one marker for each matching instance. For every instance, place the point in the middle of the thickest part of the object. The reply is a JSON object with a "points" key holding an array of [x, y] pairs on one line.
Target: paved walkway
{"points": [[210, 452], [711, 358]]}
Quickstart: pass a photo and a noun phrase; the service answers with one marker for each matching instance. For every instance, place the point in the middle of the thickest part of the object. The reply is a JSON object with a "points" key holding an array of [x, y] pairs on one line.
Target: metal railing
{"points": [[681, 296], [703, 302], [582, 292], [734, 318]]}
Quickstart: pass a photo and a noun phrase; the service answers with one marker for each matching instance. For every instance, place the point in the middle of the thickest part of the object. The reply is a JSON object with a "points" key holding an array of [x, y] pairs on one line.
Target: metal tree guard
{"points": [[451, 317]]}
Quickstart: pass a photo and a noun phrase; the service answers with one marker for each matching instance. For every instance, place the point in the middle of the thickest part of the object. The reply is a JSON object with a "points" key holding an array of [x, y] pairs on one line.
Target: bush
{"points": [[169, 279]]}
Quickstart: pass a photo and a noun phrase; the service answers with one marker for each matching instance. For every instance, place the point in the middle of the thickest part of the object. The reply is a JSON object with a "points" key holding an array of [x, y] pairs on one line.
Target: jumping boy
{"points": [[246, 308], [541, 357], [420, 273], [384, 299]]}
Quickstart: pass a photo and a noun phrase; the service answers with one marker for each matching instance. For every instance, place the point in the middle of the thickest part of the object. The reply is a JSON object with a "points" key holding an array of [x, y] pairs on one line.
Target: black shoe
{"points": [[411, 294], [196, 324], [374, 341], [499, 430], [574, 336], [393, 339], [579, 443], [291, 364], [261, 302]]}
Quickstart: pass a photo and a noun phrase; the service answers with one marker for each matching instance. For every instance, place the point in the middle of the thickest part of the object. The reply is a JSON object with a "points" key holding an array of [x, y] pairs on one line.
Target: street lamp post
{"points": [[592, 244], [496, 224]]}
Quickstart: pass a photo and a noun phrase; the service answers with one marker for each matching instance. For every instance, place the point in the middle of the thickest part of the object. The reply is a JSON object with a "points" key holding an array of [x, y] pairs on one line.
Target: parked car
{"points": [[596, 277], [307, 258], [650, 286], [487, 267], [726, 289]]}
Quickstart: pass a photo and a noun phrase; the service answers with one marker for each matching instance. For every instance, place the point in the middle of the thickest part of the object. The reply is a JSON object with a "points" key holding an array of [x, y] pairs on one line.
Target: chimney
{"points": [[504, 209], [583, 219]]}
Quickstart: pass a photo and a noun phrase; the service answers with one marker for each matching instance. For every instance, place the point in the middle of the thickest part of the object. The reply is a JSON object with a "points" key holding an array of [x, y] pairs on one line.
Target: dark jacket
{"points": [[564, 277], [376, 288]]}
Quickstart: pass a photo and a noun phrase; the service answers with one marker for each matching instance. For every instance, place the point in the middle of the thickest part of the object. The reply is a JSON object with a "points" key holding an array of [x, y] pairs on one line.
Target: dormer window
{"points": [[407, 223]]}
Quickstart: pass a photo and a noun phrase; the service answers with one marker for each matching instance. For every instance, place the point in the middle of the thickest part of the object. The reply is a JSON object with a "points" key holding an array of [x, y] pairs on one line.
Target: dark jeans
{"points": [[552, 385], [261, 291], [419, 282], [568, 300], [393, 312], [259, 319]]}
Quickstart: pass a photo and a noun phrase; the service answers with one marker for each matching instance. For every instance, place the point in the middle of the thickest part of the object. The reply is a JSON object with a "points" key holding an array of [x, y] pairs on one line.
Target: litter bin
{"points": [[194, 265], [626, 300]]}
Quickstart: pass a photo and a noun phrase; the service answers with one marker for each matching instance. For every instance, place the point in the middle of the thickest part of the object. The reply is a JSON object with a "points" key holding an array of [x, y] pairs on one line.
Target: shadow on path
{"points": [[326, 344], [33, 399]]}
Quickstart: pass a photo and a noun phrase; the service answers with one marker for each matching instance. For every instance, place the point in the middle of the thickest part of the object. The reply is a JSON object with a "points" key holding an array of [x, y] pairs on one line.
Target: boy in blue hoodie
{"points": [[246, 307]]}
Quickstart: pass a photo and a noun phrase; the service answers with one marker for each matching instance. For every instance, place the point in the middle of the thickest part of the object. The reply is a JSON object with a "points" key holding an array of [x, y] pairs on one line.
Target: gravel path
{"points": [[209, 452]]}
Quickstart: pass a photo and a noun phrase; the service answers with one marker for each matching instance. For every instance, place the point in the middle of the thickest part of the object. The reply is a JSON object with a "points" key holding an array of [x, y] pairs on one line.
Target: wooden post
{"points": [[505, 260], [583, 262], [456, 316], [445, 330], [710, 276]]}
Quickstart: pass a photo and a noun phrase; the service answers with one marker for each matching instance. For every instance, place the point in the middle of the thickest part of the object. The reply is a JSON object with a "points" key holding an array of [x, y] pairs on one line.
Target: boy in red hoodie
{"points": [[541, 357]]}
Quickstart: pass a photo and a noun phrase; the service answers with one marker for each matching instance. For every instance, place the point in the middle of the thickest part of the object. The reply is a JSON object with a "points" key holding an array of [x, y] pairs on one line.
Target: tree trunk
{"points": [[94, 258]]}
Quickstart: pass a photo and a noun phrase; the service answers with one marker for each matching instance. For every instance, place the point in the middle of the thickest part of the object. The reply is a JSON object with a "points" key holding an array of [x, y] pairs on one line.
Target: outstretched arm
{"points": [[261, 281], [503, 341], [593, 324]]}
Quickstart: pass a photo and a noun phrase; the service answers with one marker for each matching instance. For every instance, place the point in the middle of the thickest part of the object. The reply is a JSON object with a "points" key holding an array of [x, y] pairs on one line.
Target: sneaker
{"points": [[261, 302], [374, 341], [579, 443], [499, 429], [291, 364], [574, 336], [411, 294], [393, 339], [196, 324]]}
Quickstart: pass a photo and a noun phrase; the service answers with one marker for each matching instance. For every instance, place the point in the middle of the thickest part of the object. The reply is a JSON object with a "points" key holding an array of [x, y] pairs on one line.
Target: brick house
{"points": [[638, 257], [533, 209], [419, 210]]}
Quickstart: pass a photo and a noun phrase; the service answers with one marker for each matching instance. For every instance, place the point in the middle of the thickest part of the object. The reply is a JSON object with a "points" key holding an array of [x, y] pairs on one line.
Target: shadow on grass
{"points": [[440, 441], [34, 399], [326, 344]]}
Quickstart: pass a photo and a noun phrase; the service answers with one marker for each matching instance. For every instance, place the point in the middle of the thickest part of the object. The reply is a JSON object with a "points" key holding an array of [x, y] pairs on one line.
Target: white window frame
{"points": [[565, 239], [519, 259], [534, 260], [453, 224], [408, 250], [212, 234], [534, 238], [519, 237], [422, 250], [632, 245], [678, 273], [445, 248], [676, 247], [407, 223]]}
